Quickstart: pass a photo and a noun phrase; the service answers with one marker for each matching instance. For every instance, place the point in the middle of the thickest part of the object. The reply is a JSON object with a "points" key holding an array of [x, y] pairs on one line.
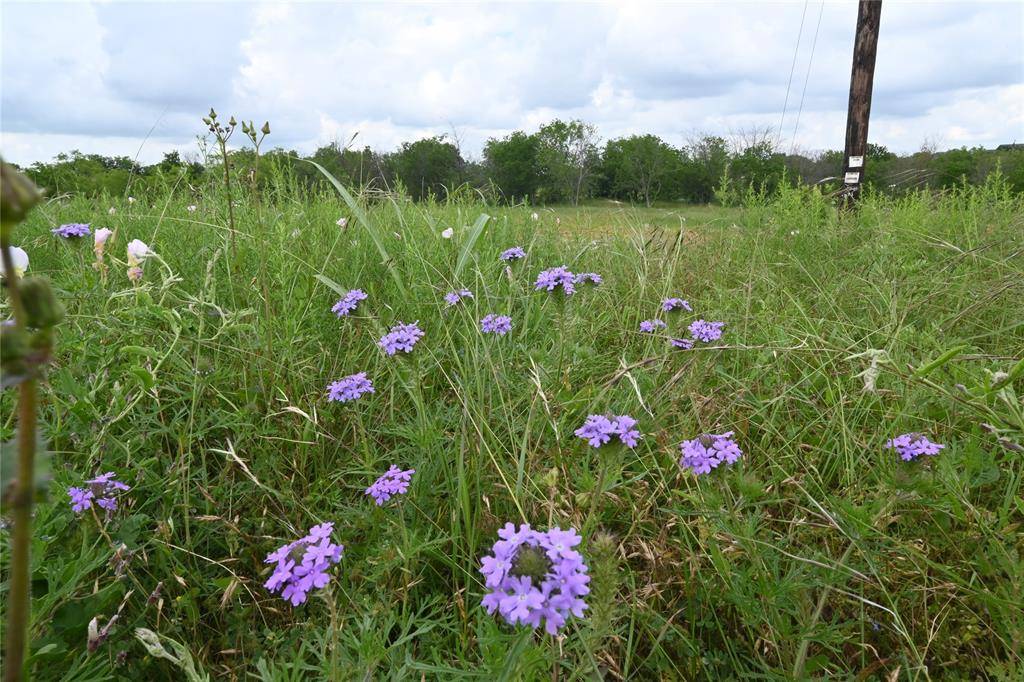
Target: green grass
{"points": [[819, 554]]}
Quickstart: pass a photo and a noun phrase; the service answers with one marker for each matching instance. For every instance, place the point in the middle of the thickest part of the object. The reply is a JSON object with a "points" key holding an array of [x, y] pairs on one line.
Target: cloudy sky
{"points": [[113, 77]]}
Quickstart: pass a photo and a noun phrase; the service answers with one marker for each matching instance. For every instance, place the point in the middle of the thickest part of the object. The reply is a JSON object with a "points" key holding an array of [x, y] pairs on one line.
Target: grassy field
{"points": [[819, 554]]}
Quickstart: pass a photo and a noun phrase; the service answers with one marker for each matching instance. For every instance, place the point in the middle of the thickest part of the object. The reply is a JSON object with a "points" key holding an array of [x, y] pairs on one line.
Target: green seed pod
{"points": [[13, 344], [42, 309], [17, 195]]}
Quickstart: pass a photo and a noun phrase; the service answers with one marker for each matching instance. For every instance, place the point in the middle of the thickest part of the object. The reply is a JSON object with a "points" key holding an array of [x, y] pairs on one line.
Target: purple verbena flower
{"points": [[685, 344], [912, 445], [72, 230], [496, 324], [535, 578], [598, 429], [706, 331], [670, 304], [584, 277], [707, 451], [393, 482], [453, 297], [649, 326], [301, 566], [402, 337], [81, 499], [624, 430], [553, 278], [348, 302], [349, 388], [515, 253], [102, 491]]}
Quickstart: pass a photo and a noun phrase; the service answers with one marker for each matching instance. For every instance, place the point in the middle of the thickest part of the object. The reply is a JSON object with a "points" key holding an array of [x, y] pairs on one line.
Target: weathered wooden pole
{"points": [[869, 14]]}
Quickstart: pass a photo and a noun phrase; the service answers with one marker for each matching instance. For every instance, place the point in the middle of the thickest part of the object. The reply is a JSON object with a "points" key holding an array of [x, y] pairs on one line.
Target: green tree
{"points": [[512, 163], [704, 163], [428, 167], [641, 167], [568, 158], [954, 167], [758, 166]]}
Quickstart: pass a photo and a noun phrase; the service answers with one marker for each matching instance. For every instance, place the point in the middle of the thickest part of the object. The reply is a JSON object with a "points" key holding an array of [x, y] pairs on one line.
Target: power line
{"points": [[792, 68], [807, 77]]}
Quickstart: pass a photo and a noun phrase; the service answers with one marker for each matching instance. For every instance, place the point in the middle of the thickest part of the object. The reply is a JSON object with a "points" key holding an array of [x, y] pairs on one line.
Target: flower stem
{"points": [[21, 514], [596, 495], [21, 497]]}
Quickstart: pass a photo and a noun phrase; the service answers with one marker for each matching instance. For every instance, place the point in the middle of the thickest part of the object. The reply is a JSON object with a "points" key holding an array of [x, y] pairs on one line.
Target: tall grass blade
{"points": [[467, 246], [364, 220]]}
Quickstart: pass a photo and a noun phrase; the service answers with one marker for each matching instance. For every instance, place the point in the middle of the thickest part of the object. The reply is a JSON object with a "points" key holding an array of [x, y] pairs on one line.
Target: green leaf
{"points": [[470, 242], [138, 350], [332, 284], [927, 369], [144, 376]]}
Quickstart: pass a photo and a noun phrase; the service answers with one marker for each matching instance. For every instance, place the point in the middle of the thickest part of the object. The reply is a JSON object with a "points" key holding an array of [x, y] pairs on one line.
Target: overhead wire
{"points": [[792, 69], [807, 77]]}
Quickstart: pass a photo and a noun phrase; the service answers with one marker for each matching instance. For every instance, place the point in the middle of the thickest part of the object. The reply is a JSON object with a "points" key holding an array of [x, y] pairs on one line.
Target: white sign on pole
{"points": [[852, 178], [856, 162]]}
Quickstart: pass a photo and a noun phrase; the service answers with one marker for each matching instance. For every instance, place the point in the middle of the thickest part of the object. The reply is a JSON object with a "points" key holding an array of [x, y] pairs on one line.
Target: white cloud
{"points": [[99, 76]]}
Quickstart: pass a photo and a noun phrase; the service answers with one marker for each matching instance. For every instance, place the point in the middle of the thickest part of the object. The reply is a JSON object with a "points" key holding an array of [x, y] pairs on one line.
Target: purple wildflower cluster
{"points": [[402, 337], [599, 429], [349, 388], [393, 482], [685, 344], [706, 331], [453, 297], [515, 253], [535, 577], [102, 490], [72, 230], [302, 565], [670, 304], [553, 278], [912, 445], [496, 324], [349, 302], [649, 326], [707, 451], [585, 277]]}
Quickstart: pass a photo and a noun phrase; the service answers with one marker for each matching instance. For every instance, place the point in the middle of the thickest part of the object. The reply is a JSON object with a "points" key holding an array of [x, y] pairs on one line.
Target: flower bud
{"points": [[266, 128], [532, 562], [232, 122], [101, 236], [42, 309], [19, 259], [13, 344], [604, 544], [138, 250], [17, 195]]}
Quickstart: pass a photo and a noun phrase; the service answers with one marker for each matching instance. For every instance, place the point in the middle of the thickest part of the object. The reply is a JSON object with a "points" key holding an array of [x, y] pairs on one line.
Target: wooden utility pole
{"points": [[869, 14]]}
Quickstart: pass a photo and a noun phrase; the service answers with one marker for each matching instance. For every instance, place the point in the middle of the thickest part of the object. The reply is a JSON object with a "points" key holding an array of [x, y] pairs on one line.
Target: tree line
{"points": [[562, 162]]}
